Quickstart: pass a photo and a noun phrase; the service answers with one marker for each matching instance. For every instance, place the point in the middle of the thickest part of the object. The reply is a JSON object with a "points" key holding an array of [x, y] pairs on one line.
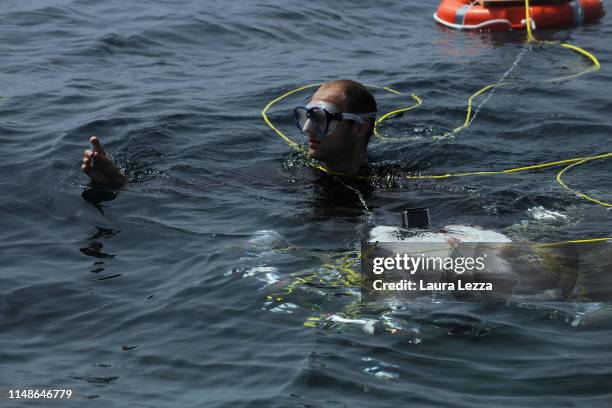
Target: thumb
{"points": [[97, 146]]}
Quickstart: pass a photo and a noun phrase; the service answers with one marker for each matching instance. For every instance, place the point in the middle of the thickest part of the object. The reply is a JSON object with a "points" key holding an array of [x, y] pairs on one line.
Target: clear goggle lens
{"points": [[318, 119]]}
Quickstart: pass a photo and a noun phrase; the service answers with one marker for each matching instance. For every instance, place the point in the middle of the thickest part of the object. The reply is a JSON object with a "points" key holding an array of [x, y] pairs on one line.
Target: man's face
{"points": [[336, 145]]}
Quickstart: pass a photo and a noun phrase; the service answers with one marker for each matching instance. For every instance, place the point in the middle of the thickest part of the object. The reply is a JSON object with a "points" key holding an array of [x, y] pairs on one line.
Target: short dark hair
{"points": [[358, 99]]}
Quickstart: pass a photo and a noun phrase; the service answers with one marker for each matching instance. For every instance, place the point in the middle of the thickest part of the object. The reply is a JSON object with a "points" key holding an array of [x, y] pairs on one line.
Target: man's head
{"points": [[347, 136]]}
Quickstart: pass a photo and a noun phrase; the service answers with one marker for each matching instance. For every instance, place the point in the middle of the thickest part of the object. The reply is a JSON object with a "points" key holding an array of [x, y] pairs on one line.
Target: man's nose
{"points": [[309, 128]]}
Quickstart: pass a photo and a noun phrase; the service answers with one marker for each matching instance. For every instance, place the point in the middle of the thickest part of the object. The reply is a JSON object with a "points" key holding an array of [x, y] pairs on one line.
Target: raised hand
{"points": [[100, 167]]}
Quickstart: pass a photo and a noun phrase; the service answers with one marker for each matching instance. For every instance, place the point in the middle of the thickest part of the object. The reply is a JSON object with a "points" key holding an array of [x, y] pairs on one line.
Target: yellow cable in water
{"points": [[387, 115], [578, 193], [573, 162], [468, 117], [530, 37], [596, 64], [575, 241]]}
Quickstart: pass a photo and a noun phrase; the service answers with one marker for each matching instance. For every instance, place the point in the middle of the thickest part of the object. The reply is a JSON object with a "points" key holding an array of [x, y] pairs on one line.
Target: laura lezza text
{"points": [[419, 285]]}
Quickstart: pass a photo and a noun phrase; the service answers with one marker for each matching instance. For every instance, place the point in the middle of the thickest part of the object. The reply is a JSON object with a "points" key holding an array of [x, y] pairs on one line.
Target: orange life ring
{"points": [[464, 15]]}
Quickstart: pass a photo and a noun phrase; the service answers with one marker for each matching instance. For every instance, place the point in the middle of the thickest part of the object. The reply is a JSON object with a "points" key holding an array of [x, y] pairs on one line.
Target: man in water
{"points": [[338, 121]]}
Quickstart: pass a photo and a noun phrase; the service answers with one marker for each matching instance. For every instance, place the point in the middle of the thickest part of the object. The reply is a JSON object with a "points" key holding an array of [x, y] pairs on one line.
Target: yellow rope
{"points": [[387, 115], [578, 193], [530, 37], [575, 241]]}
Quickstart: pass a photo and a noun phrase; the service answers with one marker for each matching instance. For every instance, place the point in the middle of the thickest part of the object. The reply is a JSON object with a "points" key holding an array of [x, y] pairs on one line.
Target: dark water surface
{"points": [[161, 301]]}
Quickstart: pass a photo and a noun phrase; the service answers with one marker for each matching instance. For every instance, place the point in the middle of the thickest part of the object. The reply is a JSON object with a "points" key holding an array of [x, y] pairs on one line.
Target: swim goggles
{"points": [[324, 119]]}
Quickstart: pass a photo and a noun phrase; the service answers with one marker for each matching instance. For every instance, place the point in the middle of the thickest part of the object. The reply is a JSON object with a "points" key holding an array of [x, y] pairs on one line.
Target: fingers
{"points": [[87, 161], [94, 172]]}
